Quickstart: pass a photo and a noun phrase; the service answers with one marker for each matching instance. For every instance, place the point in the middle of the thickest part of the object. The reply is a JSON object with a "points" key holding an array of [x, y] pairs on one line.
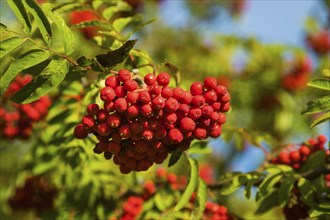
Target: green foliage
{"points": [[18, 8], [9, 45]]}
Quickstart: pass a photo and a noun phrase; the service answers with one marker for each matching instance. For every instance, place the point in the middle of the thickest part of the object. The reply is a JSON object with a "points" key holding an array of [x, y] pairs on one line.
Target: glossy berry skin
{"points": [[210, 82], [197, 88], [149, 79], [187, 124], [107, 94], [175, 136], [80, 132], [124, 75], [163, 79], [112, 81], [93, 109]]}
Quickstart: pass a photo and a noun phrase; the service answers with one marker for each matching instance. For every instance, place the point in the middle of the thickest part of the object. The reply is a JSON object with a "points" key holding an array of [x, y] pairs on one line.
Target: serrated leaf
{"points": [[48, 80], [18, 8], [285, 190], [268, 202], [318, 105], [24, 61], [175, 156], [41, 19], [115, 57], [200, 201], [323, 84], [10, 44], [66, 34], [320, 119], [191, 186]]}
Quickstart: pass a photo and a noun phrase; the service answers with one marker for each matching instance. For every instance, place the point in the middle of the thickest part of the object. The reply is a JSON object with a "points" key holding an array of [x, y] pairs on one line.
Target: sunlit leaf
{"points": [[320, 84], [10, 44], [42, 84], [19, 10], [318, 105], [200, 200], [285, 190], [320, 119], [24, 61]]}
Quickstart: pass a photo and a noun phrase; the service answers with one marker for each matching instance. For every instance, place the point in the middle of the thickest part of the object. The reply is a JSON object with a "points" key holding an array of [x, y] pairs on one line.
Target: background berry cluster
{"points": [[16, 120], [142, 125]]}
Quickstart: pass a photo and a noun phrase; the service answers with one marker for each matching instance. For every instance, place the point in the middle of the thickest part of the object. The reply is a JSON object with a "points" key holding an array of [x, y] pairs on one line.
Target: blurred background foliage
{"points": [[267, 83]]}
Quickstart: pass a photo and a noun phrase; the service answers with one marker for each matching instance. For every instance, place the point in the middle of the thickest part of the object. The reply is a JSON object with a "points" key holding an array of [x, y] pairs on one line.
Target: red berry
{"points": [[88, 121], [124, 131], [146, 110], [144, 165], [215, 131], [109, 106], [124, 75], [304, 150], [141, 146], [121, 105], [123, 169], [210, 82], [160, 133], [112, 81], [102, 115], [147, 134], [197, 101], [195, 113], [163, 79], [187, 98], [158, 103], [77, 17], [149, 79], [167, 92], [295, 156], [210, 97], [114, 120], [132, 97], [155, 89], [144, 97], [107, 94], [133, 111], [154, 123], [187, 124], [207, 111], [114, 147], [200, 133], [171, 105], [178, 93], [322, 139], [216, 106], [120, 91], [158, 146], [92, 109], [130, 85], [220, 90], [131, 164], [197, 88], [204, 122], [171, 118], [80, 132], [175, 136], [284, 157], [103, 129], [222, 118], [136, 127]]}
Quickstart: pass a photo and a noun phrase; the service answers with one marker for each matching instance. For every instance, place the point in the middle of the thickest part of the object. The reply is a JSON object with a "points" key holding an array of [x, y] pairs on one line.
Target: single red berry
{"points": [[195, 113], [163, 79], [200, 133], [284, 157], [187, 124], [149, 79], [120, 91], [197, 88], [296, 165], [158, 146], [207, 111], [204, 122], [124, 131], [295, 156], [304, 150], [136, 127], [210, 83], [107, 94], [225, 107], [133, 111], [124, 75], [197, 101], [141, 146], [121, 105], [321, 139], [175, 136], [115, 136], [167, 92], [220, 90], [216, 106], [222, 118], [158, 103], [187, 98], [130, 85], [132, 97], [103, 129], [149, 187], [178, 93], [102, 115], [151, 154], [146, 110], [131, 164], [88, 121], [154, 123], [80, 131], [147, 134], [109, 106], [144, 97], [161, 173], [215, 131], [123, 169], [114, 147], [171, 105], [225, 98], [112, 81], [172, 178], [77, 17], [171, 118], [114, 120], [92, 109], [160, 133], [143, 165], [210, 97]]}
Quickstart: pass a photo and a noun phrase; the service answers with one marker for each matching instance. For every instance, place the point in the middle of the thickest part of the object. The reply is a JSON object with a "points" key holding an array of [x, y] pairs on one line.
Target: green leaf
{"points": [[320, 119], [137, 28], [19, 10], [41, 19], [200, 201], [164, 200], [175, 156], [316, 160], [267, 185], [24, 61], [318, 105], [268, 202], [306, 189], [120, 23], [66, 34], [48, 80], [10, 44], [191, 186], [115, 57], [285, 190], [323, 84], [141, 54]]}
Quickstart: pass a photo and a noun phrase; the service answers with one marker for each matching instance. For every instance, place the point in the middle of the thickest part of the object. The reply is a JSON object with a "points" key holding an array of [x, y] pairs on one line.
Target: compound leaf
{"points": [[18, 8], [318, 105], [323, 84], [10, 44]]}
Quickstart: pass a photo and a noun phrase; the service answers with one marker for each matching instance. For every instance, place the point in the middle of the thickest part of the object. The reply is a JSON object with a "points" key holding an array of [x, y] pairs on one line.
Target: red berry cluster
{"points": [[132, 208], [298, 76], [215, 211], [319, 42], [36, 194], [16, 120], [295, 157], [77, 17], [142, 126]]}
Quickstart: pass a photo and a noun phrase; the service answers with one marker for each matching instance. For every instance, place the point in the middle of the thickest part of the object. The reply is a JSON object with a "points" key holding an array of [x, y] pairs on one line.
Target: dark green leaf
{"points": [[285, 190], [306, 189], [24, 61], [41, 19], [66, 34], [10, 44], [268, 202], [84, 61], [115, 57], [48, 80], [267, 185], [191, 186], [320, 84], [320, 119], [3, 27], [19, 10], [316, 160], [174, 157], [318, 105], [200, 201]]}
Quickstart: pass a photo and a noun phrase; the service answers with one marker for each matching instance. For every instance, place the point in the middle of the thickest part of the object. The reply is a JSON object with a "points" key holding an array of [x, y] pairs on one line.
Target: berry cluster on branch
{"points": [[16, 120], [141, 126]]}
